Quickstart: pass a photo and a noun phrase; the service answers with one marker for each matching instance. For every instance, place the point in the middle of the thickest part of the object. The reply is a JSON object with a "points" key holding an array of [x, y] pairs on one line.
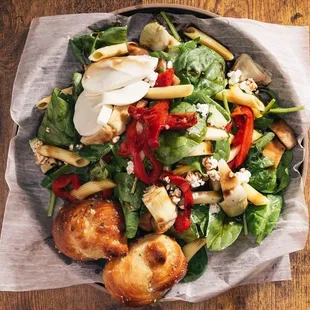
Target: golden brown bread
{"points": [[153, 265], [90, 229]]}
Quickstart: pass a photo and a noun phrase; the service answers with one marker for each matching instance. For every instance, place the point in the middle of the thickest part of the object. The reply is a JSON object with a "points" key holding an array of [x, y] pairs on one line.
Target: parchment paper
{"points": [[28, 258]]}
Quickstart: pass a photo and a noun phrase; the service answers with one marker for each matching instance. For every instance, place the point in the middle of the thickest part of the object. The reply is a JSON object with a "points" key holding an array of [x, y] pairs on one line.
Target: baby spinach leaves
{"points": [[222, 231], [261, 220]]}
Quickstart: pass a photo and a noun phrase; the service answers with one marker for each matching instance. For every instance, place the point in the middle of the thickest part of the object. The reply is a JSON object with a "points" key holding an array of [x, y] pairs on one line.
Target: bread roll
{"points": [[153, 265], [90, 229]]}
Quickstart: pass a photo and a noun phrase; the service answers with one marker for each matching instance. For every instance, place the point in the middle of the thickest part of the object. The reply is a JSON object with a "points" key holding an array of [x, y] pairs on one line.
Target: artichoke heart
{"points": [[155, 37], [235, 198], [161, 207]]}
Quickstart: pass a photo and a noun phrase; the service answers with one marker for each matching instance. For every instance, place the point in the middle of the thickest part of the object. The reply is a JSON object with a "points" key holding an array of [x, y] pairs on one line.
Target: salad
{"points": [[162, 150]]}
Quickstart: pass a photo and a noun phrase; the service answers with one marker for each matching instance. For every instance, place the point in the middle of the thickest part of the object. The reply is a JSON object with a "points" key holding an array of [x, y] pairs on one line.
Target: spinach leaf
{"points": [[265, 180], [67, 169], [196, 266], [200, 216], [131, 203], [221, 149], [201, 97], [188, 235], [257, 161], [57, 126], [203, 68], [174, 145], [93, 152], [263, 122], [167, 56], [222, 231], [119, 162], [82, 46], [195, 162], [283, 174], [262, 220], [77, 84]]}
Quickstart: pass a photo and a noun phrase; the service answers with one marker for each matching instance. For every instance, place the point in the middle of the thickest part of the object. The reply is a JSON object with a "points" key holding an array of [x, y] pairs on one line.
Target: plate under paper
{"points": [[28, 258]]}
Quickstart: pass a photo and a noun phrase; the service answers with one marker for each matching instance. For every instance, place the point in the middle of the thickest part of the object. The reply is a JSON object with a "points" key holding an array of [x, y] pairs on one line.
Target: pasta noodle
{"points": [[204, 39], [91, 187], [61, 154], [43, 103], [170, 92], [109, 51]]}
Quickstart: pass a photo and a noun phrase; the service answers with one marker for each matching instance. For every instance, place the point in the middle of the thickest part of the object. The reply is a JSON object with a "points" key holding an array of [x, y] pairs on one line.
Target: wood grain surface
{"points": [[15, 18]]}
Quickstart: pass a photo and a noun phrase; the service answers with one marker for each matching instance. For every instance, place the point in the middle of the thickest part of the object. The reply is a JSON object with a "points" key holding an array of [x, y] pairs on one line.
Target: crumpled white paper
{"points": [[28, 258]]}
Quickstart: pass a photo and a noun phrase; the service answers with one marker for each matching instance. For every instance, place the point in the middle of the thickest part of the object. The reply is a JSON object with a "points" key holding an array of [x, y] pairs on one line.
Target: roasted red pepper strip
{"points": [[133, 145], [180, 121], [156, 118], [244, 120], [59, 185], [228, 127], [107, 193], [165, 79], [182, 223]]}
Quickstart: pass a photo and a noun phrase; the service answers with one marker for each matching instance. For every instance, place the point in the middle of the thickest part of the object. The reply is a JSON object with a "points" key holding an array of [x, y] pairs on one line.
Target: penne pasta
{"points": [[183, 170], [43, 103], [204, 148], [91, 188], [170, 92], [204, 39], [237, 96], [63, 155], [109, 51]]}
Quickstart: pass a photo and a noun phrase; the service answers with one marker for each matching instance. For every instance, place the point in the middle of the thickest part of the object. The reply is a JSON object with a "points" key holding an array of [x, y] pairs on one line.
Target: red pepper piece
{"points": [[59, 185], [179, 121], [107, 193], [156, 118], [182, 223], [244, 120], [165, 79], [228, 127], [132, 146]]}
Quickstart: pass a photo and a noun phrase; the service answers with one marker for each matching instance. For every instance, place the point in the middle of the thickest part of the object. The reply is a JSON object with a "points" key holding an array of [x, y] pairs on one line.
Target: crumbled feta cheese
{"points": [[243, 175], [214, 208], [177, 192], [151, 78], [130, 167], [195, 179], [167, 179], [79, 146], [210, 163], [71, 147], [249, 86], [193, 130], [213, 175], [167, 168], [47, 129], [169, 64], [175, 199], [234, 77], [203, 109], [115, 139]]}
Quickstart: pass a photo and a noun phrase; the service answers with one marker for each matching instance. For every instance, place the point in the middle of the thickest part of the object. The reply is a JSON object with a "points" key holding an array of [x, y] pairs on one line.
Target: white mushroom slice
{"points": [[126, 95], [113, 73], [86, 114], [235, 197], [105, 114]]}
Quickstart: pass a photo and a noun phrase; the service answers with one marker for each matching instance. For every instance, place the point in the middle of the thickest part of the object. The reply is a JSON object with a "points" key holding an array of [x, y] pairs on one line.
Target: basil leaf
{"points": [[99, 172], [222, 231], [57, 126], [261, 220], [196, 266], [283, 174]]}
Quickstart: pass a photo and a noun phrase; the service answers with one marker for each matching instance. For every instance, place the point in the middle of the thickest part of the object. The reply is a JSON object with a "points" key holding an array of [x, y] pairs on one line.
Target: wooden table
{"points": [[15, 17]]}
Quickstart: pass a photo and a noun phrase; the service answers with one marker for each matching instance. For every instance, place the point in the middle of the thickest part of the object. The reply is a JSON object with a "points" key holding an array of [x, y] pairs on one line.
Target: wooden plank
{"points": [[15, 18]]}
